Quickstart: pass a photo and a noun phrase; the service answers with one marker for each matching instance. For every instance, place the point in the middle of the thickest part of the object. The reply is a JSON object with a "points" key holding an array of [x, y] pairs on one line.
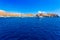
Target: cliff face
{"points": [[8, 14]]}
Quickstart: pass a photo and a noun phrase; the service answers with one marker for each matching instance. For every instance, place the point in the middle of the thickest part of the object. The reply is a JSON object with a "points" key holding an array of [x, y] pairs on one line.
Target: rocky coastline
{"points": [[8, 14]]}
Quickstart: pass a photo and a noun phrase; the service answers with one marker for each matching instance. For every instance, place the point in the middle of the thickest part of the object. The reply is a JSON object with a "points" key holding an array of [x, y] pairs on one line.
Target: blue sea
{"points": [[15, 28]]}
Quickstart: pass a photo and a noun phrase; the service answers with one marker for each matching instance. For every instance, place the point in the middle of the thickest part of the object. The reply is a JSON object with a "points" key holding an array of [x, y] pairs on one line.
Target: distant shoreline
{"points": [[29, 17]]}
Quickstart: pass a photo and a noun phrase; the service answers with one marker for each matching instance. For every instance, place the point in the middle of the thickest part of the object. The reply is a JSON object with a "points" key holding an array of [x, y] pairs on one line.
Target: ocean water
{"points": [[15, 28]]}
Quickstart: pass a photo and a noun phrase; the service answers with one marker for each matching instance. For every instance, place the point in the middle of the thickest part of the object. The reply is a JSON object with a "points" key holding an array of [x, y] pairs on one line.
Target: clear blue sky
{"points": [[28, 6]]}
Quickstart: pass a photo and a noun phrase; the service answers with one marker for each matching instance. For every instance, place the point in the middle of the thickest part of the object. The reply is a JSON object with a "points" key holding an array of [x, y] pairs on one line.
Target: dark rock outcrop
{"points": [[46, 15]]}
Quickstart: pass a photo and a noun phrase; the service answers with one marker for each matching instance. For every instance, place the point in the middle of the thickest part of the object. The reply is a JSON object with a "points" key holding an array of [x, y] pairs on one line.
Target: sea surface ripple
{"points": [[15, 28]]}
